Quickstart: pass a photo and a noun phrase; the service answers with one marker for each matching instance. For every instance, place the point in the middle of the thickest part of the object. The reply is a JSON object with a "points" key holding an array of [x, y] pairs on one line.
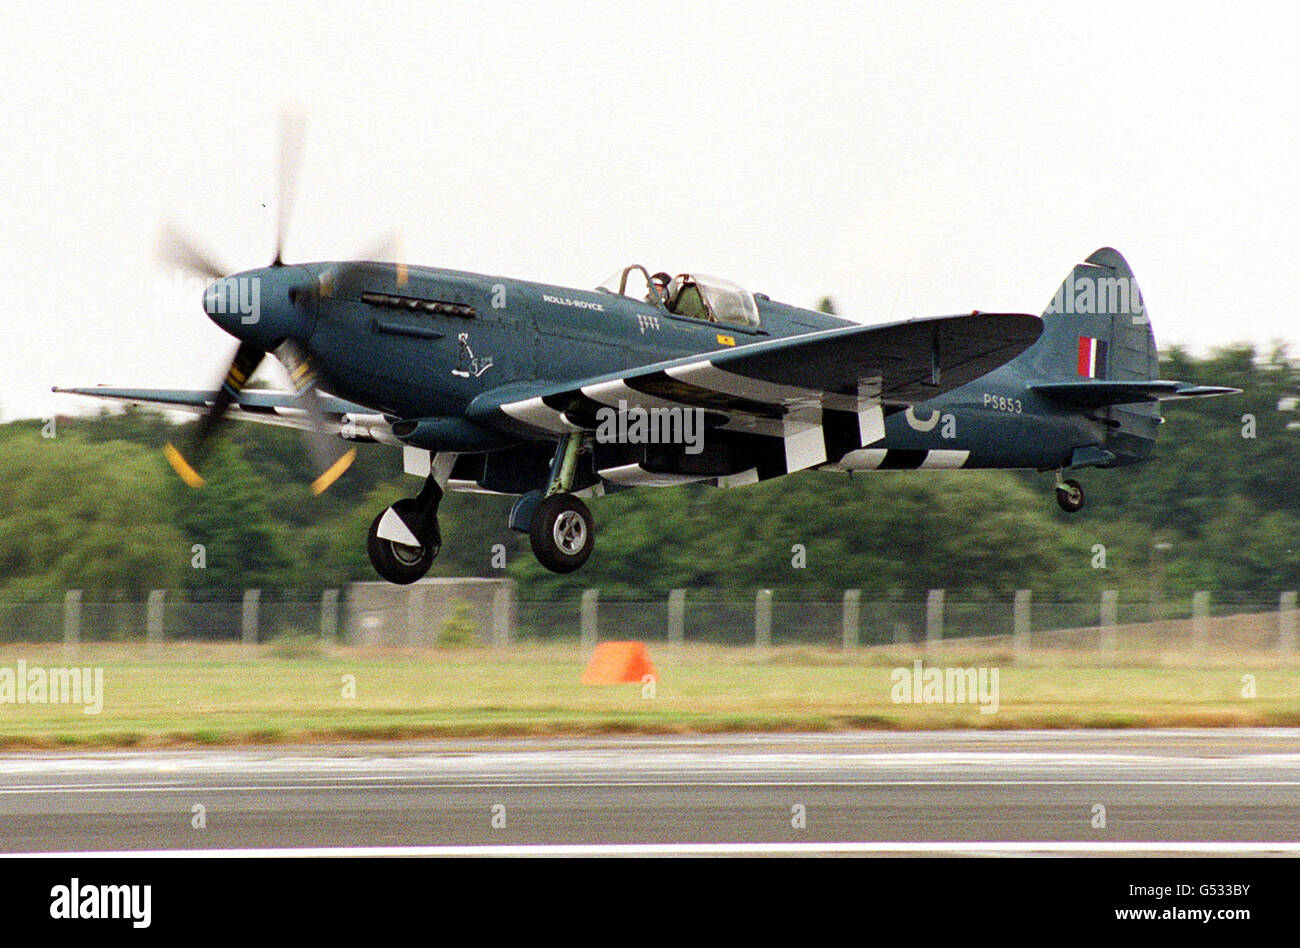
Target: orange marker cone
{"points": [[616, 663]]}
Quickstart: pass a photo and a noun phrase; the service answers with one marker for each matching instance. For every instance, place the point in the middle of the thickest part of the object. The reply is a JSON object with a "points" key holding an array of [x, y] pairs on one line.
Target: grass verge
{"points": [[202, 695]]}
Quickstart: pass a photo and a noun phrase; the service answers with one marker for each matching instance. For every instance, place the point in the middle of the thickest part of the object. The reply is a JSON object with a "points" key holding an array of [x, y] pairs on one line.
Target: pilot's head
{"points": [[660, 283]]}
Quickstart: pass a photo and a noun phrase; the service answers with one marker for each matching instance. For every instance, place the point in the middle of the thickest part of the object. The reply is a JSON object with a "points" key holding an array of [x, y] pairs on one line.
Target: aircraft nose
{"points": [[263, 307]]}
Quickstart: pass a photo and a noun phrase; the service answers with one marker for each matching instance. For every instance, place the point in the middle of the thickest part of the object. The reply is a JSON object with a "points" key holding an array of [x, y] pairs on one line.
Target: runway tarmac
{"points": [[1202, 791]]}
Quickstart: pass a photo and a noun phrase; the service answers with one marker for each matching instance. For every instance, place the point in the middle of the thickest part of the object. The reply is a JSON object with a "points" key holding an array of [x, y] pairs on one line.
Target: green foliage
{"points": [[231, 517], [1228, 503], [79, 515]]}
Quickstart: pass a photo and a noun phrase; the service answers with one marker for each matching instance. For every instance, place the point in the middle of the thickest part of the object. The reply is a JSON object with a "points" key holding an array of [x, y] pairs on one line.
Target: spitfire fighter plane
{"points": [[548, 393]]}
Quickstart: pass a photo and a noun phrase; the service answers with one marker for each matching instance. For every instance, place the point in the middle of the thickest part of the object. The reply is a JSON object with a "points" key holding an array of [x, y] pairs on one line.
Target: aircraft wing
{"points": [[820, 393], [261, 406]]}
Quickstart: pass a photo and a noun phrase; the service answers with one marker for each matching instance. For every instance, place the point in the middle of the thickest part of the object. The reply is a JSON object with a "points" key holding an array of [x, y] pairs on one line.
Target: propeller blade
{"points": [[247, 359], [179, 250], [330, 456], [293, 130]]}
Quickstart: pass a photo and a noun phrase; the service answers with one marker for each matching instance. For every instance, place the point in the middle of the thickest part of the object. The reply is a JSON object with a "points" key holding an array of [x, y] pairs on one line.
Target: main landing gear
{"points": [[1069, 494], [562, 533], [404, 538], [559, 525]]}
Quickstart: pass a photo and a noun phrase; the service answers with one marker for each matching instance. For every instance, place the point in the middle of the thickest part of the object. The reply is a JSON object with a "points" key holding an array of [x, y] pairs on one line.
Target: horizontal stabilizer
{"points": [[1097, 394]]}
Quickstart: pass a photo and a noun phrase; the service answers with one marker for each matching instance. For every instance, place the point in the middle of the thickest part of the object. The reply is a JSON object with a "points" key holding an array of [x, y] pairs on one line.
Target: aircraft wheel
{"points": [[1069, 494], [397, 562], [562, 533]]}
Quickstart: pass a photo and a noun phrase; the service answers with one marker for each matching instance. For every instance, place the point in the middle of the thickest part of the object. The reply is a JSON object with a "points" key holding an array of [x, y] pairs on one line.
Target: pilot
{"points": [[659, 288]]}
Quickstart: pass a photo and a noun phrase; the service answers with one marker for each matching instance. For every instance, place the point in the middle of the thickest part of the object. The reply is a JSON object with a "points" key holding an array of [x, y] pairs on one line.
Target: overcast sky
{"points": [[907, 159]]}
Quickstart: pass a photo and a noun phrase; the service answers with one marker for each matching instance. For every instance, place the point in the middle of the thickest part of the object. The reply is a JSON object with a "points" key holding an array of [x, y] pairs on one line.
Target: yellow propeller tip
{"points": [[333, 472], [182, 466]]}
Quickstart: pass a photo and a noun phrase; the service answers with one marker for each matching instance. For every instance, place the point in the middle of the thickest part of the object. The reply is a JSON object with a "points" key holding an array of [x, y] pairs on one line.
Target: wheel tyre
{"points": [[562, 533], [397, 562], [1071, 500]]}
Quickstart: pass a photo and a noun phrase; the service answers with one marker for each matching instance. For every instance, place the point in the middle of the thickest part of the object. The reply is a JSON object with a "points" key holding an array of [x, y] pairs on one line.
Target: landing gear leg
{"points": [[404, 539], [562, 532], [1069, 494]]}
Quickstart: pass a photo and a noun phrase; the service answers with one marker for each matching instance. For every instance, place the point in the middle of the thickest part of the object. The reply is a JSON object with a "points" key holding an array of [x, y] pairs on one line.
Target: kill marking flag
{"points": [[1092, 357]]}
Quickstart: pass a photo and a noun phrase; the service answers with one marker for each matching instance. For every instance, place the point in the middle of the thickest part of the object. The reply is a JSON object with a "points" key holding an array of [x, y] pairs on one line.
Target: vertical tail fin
{"points": [[1096, 327]]}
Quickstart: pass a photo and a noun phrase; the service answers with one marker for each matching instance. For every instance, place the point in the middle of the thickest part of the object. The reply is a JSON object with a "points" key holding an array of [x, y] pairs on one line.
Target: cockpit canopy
{"points": [[693, 295]]}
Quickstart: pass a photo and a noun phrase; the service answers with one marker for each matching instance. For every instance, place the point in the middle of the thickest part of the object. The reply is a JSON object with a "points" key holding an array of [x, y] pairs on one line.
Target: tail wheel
{"points": [[1069, 494], [562, 533], [397, 562]]}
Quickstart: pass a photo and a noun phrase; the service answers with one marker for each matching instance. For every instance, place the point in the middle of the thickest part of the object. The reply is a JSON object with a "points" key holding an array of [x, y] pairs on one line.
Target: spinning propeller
{"points": [[279, 323]]}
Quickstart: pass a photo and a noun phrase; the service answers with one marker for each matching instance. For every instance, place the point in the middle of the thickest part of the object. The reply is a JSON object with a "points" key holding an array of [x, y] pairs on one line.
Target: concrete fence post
{"points": [[1200, 621], [329, 616], [1021, 620], [1109, 619], [763, 620], [248, 627], [1286, 623], [72, 620], [590, 627], [933, 617], [502, 609], [417, 630], [852, 619], [153, 622], [676, 617]]}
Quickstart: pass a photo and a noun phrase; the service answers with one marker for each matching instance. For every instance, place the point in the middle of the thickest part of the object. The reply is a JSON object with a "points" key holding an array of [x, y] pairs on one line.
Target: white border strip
{"points": [[937, 459], [805, 447], [871, 425], [611, 393], [700, 849], [537, 414], [863, 459]]}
